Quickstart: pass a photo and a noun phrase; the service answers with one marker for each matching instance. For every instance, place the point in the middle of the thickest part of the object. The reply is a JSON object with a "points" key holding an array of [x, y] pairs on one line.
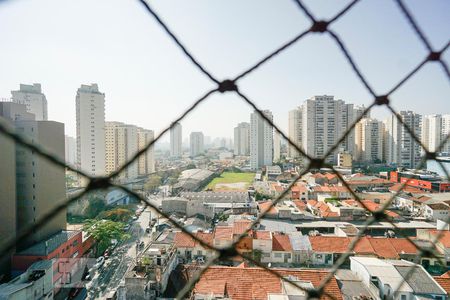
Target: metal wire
{"points": [[320, 27]]}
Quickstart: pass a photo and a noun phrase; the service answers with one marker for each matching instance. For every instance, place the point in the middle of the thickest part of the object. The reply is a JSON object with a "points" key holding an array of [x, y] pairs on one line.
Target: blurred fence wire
{"points": [[318, 26]]}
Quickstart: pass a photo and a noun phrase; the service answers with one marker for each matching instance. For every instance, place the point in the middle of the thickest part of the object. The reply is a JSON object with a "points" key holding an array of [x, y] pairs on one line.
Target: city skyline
{"points": [[146, 84]]}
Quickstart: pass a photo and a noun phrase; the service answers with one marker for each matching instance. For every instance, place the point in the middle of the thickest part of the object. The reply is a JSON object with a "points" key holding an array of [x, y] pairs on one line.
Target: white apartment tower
{"points": [[295, 131], [176, 150], [146, 160], [324, 121], [71, 150], [242, 139], [369, 140], [196, 140], [401, 148], [261, 140], [34, 100], [445, 129], [432, 131], [276, 146], [90, 106]]}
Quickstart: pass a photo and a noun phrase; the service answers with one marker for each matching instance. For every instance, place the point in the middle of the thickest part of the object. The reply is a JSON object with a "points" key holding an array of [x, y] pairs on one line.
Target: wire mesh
{"points": [[231, 85]]}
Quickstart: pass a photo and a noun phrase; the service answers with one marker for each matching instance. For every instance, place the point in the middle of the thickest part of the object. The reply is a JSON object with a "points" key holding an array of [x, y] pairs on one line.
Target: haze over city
{"points": [[148, 81]]}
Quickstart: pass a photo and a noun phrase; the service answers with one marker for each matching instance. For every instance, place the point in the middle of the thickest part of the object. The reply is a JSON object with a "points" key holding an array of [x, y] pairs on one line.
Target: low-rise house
{"points": [[188, 248], [441, 240], [334, 191], [148, 278], [321, 179], [413, 203], [397, 279], [300, 192], [436, 211], [262, 244], [281, 248], [243, 283], [35, 283], [301, 248], [223, 236], [272, 172]]}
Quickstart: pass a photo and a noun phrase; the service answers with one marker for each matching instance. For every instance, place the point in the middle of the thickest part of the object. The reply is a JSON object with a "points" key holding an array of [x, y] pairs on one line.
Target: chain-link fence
{"points": [[319, 27]]}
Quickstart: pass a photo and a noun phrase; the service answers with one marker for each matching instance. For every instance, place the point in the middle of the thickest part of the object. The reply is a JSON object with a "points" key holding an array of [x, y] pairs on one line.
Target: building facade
{"points": [[242, 139], [324, 121], [369, 140], [261, 140], [146, 160], [196, 141], [176, 150], [295, 131], [90, 113], [32, 97], [121, 143], [401, 148], [71, 150]]}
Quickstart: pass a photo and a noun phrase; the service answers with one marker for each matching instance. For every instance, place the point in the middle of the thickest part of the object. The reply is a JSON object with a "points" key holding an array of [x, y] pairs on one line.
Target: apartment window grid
{"points": [[318, 26]]}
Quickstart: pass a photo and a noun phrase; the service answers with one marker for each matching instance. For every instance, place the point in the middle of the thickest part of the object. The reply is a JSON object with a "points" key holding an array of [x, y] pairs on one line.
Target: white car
{"points": [[100, 262]]}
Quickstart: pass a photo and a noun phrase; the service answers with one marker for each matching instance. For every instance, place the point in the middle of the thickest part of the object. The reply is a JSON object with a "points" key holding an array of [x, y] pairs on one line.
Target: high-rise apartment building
{"points": [[7, 187], [39, 184], [146, 160], [121, 143], [295, 131], [176, 150], [242, 139], [401, 148], [90, 111], [71, 150], [369, 140], [32, 97], [432, 131], [261, 140], [276, 146], [196, 144], [324, 121], [445, 130]]}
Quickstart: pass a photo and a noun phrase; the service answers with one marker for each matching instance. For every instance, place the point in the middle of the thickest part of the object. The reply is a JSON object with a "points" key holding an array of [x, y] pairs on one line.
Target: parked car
{"points": [[148, 229], [100, 262], [126, 227], [141, 244], [135, 218]]}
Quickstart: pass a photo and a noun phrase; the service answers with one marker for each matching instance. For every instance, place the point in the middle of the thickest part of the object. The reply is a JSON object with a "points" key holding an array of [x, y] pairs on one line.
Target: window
{"points": [[278, 255]]}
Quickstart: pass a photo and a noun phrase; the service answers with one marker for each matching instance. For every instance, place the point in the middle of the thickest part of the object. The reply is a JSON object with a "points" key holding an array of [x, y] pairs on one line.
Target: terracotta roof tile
{"points": [[240, 226], [182, 240], [383, 248], [223, 233], [444, 282], [444, 236], [264, 206], [256, 283], [301, 205], [281, 242], [262, 235], [329, 244]]}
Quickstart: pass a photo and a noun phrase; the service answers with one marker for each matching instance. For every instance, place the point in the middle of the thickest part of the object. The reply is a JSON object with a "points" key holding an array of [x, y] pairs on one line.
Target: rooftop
{"points": [[46, 247]]}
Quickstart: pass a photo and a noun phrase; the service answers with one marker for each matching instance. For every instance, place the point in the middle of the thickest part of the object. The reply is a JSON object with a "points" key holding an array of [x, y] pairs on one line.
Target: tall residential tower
{"points": [[90, 106], [176, 150], [261, 140]]}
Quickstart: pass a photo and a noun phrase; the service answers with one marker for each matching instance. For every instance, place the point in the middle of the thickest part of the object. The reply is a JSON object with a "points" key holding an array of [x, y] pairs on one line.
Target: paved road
{"points": [[109, 277]]}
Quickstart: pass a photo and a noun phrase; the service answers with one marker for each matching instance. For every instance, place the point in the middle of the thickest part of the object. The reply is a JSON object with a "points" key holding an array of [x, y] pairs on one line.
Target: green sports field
{"points": [[229, 181]]}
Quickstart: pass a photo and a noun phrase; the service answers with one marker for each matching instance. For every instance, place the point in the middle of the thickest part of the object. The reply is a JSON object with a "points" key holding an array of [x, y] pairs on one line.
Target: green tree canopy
{"points": [[118, 214], [104, 231]]}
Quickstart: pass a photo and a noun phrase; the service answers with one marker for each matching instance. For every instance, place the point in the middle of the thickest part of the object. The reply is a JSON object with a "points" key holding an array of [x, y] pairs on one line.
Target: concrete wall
{"points": [[7, 196], [40, 183]]}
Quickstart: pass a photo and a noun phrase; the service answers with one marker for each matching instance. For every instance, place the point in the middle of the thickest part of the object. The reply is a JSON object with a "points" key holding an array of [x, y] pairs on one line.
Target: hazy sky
{"points": [[148, 81]]}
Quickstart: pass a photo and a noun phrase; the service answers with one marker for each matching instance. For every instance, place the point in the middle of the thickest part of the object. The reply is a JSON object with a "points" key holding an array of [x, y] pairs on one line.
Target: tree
{"points": [[116, 214], [152, 183], [95, 207], [257, 254], [103, 232]]}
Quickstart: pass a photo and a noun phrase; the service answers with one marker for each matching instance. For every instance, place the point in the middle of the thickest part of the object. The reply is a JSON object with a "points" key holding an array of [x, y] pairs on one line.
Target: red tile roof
{"points": [[329, 244], [264, 206], [281, 242], [223, 233], [183, 240], [301, 205], [444, 236], [444, 282], [240, 226], [330, 189], [262, 235], [245, 244], [256, 283], [406, 189]]}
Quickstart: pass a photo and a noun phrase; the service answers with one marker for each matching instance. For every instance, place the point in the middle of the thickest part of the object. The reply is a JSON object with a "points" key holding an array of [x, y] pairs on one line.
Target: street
{"points": [[108, 278]]}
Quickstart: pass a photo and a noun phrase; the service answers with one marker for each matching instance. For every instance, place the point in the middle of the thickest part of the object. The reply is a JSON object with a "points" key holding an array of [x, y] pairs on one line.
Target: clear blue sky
{"points": [[148, 81]]}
